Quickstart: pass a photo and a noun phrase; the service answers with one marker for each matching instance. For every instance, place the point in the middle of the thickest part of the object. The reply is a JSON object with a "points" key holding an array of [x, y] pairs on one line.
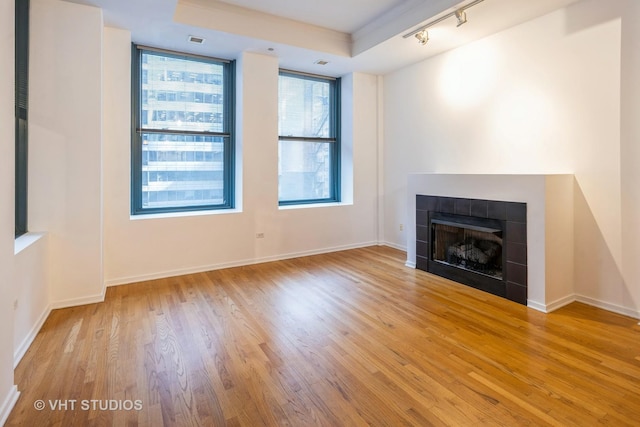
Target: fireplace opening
{"points": [[469, 247], [468, 250], [479, 243]]}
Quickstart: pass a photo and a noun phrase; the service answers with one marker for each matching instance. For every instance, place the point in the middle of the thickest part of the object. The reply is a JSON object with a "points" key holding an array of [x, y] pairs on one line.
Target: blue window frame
{"points": [[309, 138], [183, 139], [21, 113]]}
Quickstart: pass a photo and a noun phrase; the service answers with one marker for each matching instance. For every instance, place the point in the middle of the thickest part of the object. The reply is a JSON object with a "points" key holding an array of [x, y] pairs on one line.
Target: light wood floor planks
{"points": [[342, 339]]}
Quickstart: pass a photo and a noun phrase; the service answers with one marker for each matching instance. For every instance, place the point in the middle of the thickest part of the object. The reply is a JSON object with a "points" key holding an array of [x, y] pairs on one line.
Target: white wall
{"points": [[8, 392], [630, 153], [540, 98], [65, 146], [142, 248], [59, 262], [32, 292]]}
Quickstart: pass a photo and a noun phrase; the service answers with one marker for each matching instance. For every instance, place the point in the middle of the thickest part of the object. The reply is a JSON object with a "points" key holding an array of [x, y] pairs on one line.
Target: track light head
{"points": [[461, 16], [423, 37]]}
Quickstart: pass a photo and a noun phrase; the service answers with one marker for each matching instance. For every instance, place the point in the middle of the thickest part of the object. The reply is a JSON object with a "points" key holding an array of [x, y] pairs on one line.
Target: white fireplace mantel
{"points": [[549, 200]]}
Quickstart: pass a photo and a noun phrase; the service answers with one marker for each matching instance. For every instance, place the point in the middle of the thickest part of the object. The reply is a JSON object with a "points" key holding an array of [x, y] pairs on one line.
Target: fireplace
{"points": [[479, 243], [467, 243]]}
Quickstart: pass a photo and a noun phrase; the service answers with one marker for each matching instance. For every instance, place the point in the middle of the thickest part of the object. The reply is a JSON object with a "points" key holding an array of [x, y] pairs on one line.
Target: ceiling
{"points": [[351, 35]]}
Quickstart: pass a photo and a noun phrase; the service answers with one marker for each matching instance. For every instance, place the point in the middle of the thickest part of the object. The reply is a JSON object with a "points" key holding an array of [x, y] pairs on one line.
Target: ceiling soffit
{"points": [[228, 18]]}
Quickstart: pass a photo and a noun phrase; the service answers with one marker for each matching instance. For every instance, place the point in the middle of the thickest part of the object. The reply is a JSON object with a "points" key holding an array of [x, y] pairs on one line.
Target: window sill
{"points": [[184, 214], [26, 240], [313, 205]]}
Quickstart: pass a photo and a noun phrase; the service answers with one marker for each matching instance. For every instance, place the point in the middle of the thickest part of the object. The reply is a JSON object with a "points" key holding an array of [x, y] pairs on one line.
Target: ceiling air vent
{"points": [[197, 40]]}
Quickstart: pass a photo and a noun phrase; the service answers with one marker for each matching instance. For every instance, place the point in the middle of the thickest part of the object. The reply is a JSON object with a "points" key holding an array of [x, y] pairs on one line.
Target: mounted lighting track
{"points": [[459, 13]]}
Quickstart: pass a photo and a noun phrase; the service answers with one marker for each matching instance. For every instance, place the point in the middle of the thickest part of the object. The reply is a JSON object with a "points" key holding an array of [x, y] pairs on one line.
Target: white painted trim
{"points": [[625, 311], [537, 306], [19, 352], [92, 299], [8, 404], [313, 205], [395, 246], [554, 305], [548, 308], [26, 240], [380, 160], [410, 264], [140, 217], [219, 266]]}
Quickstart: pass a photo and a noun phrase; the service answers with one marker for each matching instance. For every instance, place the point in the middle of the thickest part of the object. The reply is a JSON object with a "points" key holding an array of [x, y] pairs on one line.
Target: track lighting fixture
{"points": [[461, 16], [423, 37]]}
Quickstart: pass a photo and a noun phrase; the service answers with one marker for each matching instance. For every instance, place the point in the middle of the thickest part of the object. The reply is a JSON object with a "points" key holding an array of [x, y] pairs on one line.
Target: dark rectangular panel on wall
{"points": [[513, 215]]}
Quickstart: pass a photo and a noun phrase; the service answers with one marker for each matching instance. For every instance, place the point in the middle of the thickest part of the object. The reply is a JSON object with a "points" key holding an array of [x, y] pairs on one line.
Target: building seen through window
{"points": [[182, 146], [308, 150]]}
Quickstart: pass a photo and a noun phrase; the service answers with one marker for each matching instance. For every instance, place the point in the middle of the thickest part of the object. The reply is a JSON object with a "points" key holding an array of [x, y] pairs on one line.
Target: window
{"points": [[182, 144], [21, 113], [309, 143]]}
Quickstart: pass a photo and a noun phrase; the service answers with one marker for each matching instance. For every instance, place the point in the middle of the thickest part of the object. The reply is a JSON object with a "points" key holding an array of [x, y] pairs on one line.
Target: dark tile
{"points": [[497, 210], [421, 202], [422, 263], [446, 205], [422, 249], [479, 208], [516, 252], [422, 233], [422, 218], [432, 203], [516, 232], [516, 212], [517, 293], [517, 273], [462, 207]]}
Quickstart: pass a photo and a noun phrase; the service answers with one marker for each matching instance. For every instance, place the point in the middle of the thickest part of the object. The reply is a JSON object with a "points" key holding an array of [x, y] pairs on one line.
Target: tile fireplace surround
{"points": [[549, 200]]}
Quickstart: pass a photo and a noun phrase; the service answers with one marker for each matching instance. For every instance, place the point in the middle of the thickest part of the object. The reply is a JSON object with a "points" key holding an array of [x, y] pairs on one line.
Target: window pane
{"points": [[181, 94], [304, 107], [182, 170], [304, 170]]}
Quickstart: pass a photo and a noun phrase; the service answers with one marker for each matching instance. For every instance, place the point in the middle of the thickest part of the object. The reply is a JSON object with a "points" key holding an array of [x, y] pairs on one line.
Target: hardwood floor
{"points": [[348, 338]]}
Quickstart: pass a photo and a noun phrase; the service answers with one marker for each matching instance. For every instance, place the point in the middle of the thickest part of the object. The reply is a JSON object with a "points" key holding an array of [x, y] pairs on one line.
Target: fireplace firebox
{"points": [[479, 243], [471, 244]]}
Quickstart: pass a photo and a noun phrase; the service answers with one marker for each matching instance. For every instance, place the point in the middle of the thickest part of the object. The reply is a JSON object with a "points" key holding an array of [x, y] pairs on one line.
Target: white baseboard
{"points": [[410, 264], [8, 404], [560, 303], [614, 308], [219, 266], [537, 306], [625, 311], [91, 299], [394, 245], [19, 352]]}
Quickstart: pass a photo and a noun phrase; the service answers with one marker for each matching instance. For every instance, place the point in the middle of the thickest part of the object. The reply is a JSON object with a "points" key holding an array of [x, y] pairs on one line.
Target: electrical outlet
{"points": [[15, 304], [401, 227], [259, 235]]}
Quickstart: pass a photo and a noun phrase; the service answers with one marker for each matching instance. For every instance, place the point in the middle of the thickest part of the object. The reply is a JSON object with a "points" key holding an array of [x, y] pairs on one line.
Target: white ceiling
{"points": [[345, 16], [352, 35]]}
